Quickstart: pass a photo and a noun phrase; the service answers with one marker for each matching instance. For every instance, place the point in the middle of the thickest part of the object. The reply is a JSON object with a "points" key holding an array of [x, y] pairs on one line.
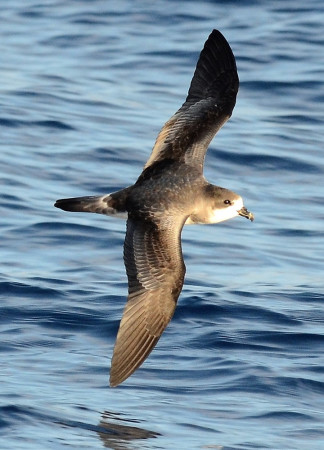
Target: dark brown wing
{"points": [[155, 270], [209, 104]]}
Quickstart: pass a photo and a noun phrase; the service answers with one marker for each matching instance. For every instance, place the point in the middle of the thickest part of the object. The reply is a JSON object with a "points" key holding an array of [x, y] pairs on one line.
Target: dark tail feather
{"points": [[104, 204], [94, 204]]}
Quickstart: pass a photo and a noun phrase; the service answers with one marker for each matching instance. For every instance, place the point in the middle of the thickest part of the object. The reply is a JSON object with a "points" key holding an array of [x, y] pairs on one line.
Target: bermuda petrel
{"points": [[170, 192]]}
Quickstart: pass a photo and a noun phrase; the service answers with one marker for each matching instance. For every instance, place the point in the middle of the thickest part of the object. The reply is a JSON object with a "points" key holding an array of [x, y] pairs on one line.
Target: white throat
{"points": [[219, 215]]}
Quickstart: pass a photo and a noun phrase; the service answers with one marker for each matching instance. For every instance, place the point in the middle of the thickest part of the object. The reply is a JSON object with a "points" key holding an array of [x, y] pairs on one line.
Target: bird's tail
{"points": [[105, 204]]}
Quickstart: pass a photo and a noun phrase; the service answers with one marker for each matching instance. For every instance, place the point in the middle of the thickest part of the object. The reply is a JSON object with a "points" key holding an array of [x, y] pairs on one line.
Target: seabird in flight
{"points": [[170, 193]]}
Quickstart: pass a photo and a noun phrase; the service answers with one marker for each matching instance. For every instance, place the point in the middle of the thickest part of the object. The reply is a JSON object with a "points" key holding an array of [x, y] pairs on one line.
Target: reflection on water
{"points": [[119, 436], [113, 430]]}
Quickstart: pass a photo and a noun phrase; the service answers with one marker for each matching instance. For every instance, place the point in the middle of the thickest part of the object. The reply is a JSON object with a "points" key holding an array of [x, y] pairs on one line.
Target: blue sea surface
{"points": [[85, 88]]}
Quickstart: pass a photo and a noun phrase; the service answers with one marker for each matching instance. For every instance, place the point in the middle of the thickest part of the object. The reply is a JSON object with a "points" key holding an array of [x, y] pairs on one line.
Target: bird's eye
{"points": [[227, 202]]}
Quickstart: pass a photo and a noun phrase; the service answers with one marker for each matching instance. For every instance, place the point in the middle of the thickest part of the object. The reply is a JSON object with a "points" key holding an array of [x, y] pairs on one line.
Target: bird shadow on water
{"points": [[118, 435], [114, 431]]}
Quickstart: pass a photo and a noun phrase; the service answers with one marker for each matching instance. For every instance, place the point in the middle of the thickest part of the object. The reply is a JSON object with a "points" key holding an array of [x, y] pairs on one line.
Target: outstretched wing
{"points": [[209, 104], [155, 270]]}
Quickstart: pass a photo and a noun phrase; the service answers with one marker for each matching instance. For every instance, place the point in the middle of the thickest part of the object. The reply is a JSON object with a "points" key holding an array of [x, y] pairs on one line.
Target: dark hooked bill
{"points": [[245, 213]]}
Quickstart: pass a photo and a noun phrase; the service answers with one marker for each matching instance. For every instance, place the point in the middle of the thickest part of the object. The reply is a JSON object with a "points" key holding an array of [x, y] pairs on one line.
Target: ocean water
{"points": [[85, 88]]}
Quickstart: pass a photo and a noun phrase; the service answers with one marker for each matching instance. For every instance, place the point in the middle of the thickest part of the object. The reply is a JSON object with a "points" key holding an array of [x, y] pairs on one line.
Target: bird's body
{"points": [[170, 192]]}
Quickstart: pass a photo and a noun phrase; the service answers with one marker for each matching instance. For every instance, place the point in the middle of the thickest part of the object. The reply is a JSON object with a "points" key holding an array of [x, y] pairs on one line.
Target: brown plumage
{"points": [[170, 192]]}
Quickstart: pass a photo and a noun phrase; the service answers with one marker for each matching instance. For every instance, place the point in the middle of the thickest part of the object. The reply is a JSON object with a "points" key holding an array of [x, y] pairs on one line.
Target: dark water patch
{"points": [[249, 383], [295, 233], [11, 123], [75, 319], [195, 308], [198, 309], [175, 54], [14, 182], [50, 317], [64, 226], [263, 162], [22, 341], [294, 342], [67, 41], [262, 315], [296, 118], [282, 87], [51, 124], [290, 416], [13, 414], [315, 369], [308, 435], [42, 96], [21, 290], [91, 19], [220, 340], [51, 281], [309, 296], [199, 429], [54, 124], [13, 202], [247, 445], [105, 154], [68, 233], [301, 385]]}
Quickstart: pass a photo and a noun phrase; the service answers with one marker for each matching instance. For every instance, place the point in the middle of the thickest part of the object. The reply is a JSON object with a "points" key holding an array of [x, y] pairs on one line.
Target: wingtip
{"points": [[113, 384], [114, 378], [117, 377], [215, 32]]}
